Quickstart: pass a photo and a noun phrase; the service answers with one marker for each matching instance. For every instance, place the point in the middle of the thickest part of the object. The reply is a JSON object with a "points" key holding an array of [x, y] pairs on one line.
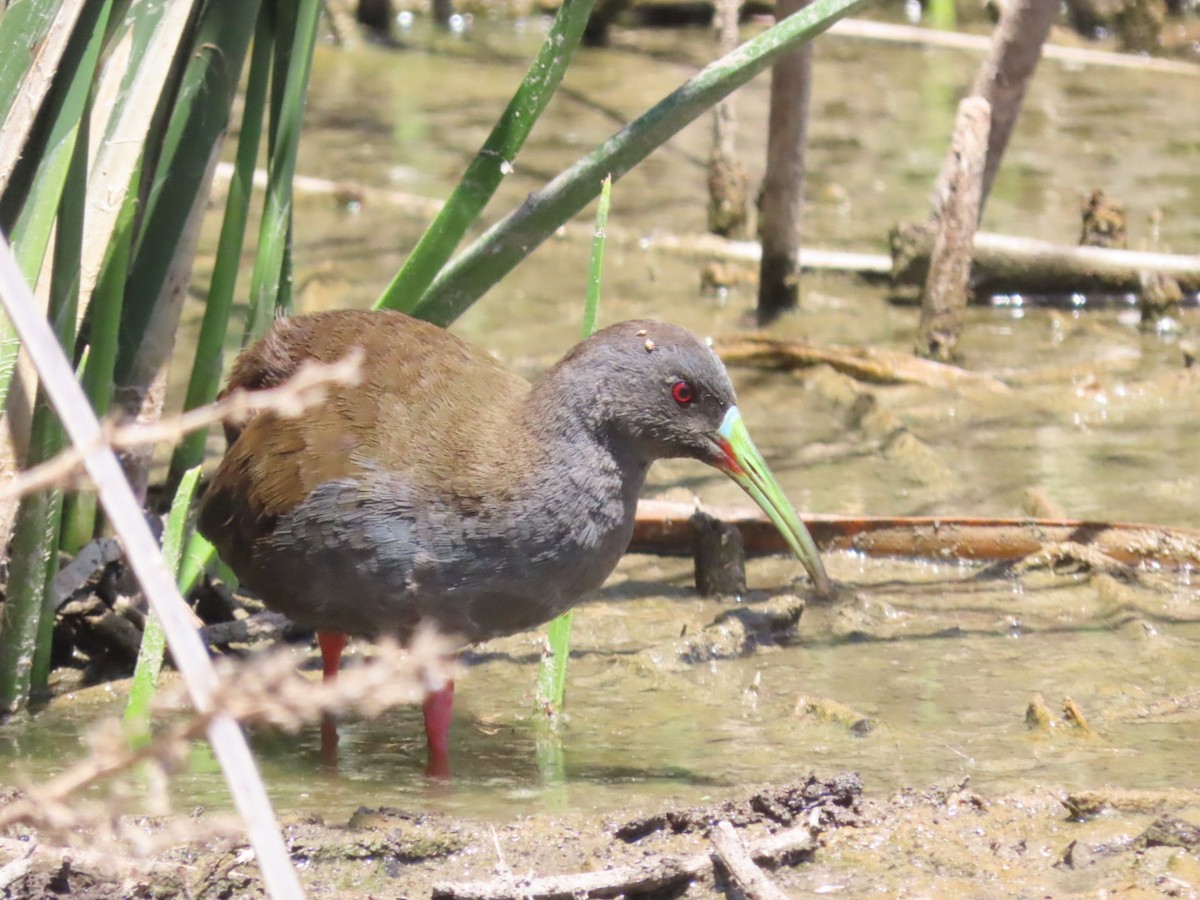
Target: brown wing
{"points": [[426, 408]]}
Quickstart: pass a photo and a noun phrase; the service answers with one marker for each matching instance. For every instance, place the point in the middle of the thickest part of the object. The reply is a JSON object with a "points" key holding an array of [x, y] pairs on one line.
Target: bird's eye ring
{"points": [[682, 393]]}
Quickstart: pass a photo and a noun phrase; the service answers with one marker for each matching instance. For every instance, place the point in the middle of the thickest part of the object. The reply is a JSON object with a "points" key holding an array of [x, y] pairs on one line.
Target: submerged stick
{"points": [[958, 201], [1077, 56], [666, 527], [1007, 264], [877, 365]]}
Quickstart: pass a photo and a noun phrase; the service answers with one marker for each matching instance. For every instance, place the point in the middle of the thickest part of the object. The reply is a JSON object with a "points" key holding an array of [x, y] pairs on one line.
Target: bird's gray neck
{"points": [[579, 455], [582, 484]]}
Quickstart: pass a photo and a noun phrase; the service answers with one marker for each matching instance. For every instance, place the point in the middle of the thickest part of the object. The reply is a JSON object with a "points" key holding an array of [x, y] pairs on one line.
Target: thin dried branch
{"points": [[1076, 56], [653, 874], [876, 365], [256, 627], [957, 203], [87, 562], [667, 527], [307, 388], [264, 690], [754, 883], [1005, 263]]}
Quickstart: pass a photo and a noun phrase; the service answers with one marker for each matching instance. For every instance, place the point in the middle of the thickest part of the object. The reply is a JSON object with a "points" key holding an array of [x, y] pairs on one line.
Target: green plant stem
{"points": [[591, 309], [493, 161], [551, 688], [197, 557], [154, 641], [205, 380], [179, 172], [63, 311], [497, 252], [942, 14], [66, 104], [104, 321], [271, 275], [58, 192]]}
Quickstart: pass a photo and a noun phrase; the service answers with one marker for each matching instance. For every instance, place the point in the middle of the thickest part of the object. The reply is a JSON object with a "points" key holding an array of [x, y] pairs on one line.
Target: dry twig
{"points": [[872, 364], [264, 690], [750, 878], [650, 875], [308, 387], [1078, 56]]}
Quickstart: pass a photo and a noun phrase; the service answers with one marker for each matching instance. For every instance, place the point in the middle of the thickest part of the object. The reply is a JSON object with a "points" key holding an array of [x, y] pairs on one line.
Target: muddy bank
{"points": [[946, 840]]}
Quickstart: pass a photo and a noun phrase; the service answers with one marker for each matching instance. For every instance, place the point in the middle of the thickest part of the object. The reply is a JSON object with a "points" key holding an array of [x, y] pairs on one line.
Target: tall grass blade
{"points": [[591, 309], [63, 311], [179, 175], [205, 380], [28, 560], [502, 247], [28, 609], [154, 639], [552, 671], [137, 71], [104, 322], [198, 555], [33, 38], [270, 280], [66, 106], [492, 162]]}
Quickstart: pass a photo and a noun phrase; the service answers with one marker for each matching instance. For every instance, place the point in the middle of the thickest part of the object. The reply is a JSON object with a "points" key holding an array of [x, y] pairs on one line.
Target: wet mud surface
{"points": [[946, 840]]}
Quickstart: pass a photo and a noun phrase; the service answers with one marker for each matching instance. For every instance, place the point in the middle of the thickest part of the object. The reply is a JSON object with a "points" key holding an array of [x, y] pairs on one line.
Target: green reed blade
{"points": [[29, 608], [270, 280], [552, 671], [66, 104], [180, 171], [154, 641], [493, 161], [205, 380], [469, 275]]}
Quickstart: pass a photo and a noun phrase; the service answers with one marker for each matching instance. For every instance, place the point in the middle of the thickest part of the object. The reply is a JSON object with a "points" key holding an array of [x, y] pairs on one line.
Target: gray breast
{"points": [[378, 555]]}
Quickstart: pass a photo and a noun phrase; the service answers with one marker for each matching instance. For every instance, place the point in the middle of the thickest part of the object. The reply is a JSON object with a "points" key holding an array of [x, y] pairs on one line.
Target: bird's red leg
{"points": [[331, 643], [438, 707]]}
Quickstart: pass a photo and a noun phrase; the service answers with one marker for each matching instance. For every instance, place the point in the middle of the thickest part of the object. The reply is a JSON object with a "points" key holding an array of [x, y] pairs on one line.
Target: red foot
{"points": [[438, 707]]}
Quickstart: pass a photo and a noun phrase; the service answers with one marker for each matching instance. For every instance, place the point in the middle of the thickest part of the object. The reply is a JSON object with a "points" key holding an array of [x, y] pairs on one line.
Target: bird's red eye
{"points": [[683, 393]]}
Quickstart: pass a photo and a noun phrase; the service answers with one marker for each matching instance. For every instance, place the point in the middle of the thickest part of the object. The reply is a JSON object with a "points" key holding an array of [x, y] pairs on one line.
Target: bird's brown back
{"points": [[428, 407]]}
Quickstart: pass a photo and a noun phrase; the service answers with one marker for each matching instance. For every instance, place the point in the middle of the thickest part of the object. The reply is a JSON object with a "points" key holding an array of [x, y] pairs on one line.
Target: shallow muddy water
{"points": [[942, 658]]}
